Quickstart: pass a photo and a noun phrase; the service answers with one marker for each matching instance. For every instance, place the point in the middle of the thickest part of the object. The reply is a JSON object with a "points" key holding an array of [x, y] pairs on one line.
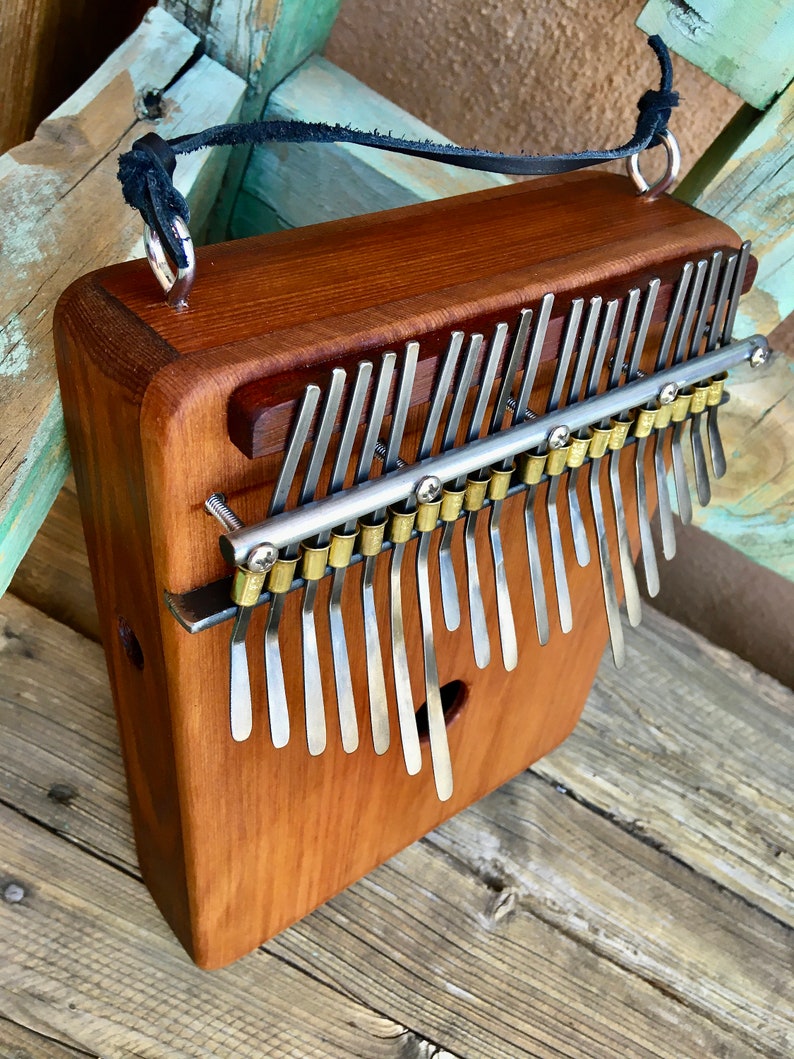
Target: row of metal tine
{"points": [[701, 317]]}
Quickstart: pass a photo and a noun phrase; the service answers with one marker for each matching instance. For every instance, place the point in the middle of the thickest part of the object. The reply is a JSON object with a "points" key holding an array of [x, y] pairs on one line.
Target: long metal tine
{"points": [[702, 483], [343, 682], [479, 626], [628, 576], [376, 681], [449, 586], [539, 330], [406, 716], [714, 333], [278, 712]]}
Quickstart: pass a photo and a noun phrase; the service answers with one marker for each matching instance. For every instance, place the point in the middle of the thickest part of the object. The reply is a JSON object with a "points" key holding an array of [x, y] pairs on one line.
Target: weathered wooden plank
{"points": [[303, 184], [529, 855], [16, 1042], [60, 189], [748, 47], [689, 747]]}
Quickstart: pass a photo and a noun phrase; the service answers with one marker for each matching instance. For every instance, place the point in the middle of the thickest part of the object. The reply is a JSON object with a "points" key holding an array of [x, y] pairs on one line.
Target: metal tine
{"points": [[604, 560], [536, 572], [314, 704], [718, 461], [736, 293], [406, 716], [479, 627], [345, 703], [533, 358], [557, 554], [376, 681], [241, 713], [507, 628], [449, 587], [631, 589], [278, 712], [437, 729], [702, 484], [679, 467]]}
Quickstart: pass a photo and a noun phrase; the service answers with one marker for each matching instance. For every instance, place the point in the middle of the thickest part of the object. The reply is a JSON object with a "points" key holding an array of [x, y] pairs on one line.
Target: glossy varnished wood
{"points": [[238, 840]]}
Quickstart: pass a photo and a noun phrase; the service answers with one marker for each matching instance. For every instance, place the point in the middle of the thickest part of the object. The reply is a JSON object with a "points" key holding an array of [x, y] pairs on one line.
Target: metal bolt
{"points": [[428, 490], [262, 558], [13, 893], [216, 505], [559, 437], [668, 393], [759, 356]]}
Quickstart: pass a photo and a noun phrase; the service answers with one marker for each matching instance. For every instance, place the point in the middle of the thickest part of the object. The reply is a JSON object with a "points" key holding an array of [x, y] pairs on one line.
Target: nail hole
{"points": [[130, 643], [453, 698]]}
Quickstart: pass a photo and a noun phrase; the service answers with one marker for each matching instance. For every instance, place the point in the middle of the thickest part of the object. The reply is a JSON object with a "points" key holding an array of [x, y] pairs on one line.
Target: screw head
{"points": [[262, 558], [559, 437], [759, 356], [428, 490], [668, 393], [13, 893]]}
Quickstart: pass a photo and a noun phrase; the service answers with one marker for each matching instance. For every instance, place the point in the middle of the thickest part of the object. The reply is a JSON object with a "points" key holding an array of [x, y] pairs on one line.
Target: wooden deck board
{"points": [[529, 925]]}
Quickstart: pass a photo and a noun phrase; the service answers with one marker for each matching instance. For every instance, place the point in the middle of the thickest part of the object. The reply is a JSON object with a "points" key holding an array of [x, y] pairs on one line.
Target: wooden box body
{"points": [[238, 840]]}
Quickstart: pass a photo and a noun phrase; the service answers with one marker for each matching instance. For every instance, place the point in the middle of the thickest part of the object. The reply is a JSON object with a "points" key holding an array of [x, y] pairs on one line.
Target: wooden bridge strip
{"points": [[631, 941]]}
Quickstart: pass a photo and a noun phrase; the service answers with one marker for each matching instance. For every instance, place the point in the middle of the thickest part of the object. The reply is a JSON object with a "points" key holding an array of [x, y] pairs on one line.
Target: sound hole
{"points": [[453, 699], [130, 643]]}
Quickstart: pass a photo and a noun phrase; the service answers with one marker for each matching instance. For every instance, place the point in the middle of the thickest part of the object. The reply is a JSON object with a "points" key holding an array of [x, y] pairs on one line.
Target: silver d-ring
{"points": [[670, 175], [177, 287]]}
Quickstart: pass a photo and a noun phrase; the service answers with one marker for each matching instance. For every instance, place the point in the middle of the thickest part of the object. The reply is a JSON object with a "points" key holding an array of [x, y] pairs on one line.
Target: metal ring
{"points": [[670, 175], [177, 287]]}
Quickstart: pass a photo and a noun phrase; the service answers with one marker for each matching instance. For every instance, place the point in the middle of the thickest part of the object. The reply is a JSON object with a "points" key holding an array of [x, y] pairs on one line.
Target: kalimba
{"points": [[434, 439]]}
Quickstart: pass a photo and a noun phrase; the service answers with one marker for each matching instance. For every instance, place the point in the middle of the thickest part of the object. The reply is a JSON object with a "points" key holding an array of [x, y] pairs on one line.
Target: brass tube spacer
{"points": [[282, 575], [699, 398], [664, 415], [681, 405], [451, 504], [427, 516], [246, 587], [579, 446], [499, 484], [557, 460], [530, 467], [401, 525], [314, 561], [644, 422], [476, 491], [716, 388], [341, 549], [618, 433], [370, 537], [599, 442]]}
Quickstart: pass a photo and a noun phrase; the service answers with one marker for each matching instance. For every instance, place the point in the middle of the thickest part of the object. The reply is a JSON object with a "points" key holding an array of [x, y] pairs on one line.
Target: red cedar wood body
{"points": [[238, 840]]}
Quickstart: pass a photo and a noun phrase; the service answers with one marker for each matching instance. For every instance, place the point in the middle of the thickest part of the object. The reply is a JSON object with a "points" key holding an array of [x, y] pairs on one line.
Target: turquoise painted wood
{"points": [[61, 215], [746, 45]]}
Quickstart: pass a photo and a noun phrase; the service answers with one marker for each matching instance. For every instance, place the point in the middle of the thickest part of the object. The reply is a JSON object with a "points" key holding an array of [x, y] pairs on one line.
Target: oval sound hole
{"points": [[453, 699]]}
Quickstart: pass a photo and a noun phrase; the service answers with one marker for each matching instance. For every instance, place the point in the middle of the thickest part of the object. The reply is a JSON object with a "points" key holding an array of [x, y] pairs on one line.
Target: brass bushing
{"points": [[644, 421], [499, 484], [282, 575], [341, 549], [401, 525], [427, 516], [370, 537], [451, 504], [699, 398], [681, 405], [618, 433], [664, 415], [314, 561], [246, 587], [531, 466], [599, 442], [476, 490], [579, 447], [557, 460], [716, 387]]}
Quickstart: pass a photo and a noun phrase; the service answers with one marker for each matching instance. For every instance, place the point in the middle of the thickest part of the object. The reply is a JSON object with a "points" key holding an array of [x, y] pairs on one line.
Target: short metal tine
{"points": [[406, 715], [679, 467], [702, 484], [680, 476], [449, 586], [721, 302], [682, 345], [643, 325], [313, 700], [664, 506], [376, 680], [674, 314], [631, 589], [518, 350], [437, 729], [736, 293], [479, 626], [278, 711], [535, 568], [343, 682], [701, 327], [539, 329]]}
